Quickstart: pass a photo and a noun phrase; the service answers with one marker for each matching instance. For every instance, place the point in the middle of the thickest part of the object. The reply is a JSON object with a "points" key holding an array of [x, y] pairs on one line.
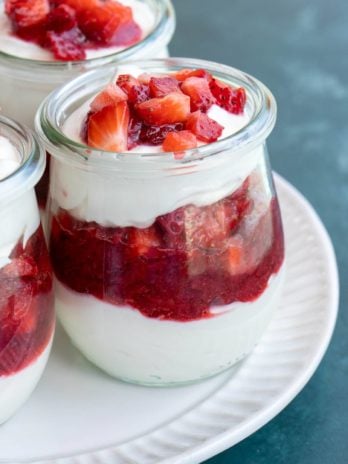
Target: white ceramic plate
{"points": [[78, 415]]}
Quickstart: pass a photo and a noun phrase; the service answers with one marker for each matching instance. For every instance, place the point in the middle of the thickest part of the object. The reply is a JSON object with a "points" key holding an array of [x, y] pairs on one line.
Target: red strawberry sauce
{"points": [[177, 268], [26, 305]]}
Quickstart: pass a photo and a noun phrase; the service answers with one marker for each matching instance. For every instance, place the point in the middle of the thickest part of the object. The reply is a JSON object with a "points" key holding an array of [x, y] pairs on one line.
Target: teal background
{"points": [[299, 49]]}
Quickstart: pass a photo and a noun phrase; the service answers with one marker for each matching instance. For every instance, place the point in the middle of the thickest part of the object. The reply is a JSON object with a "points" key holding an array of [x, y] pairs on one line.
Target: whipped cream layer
{"points": [[10, 158], [15, 389], [133, 347], [15, 46], [132, 196]]}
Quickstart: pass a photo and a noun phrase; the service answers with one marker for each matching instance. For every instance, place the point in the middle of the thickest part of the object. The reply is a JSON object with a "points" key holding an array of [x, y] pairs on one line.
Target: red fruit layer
{"points": [[69, 27], [26, 305], [186, 262]]}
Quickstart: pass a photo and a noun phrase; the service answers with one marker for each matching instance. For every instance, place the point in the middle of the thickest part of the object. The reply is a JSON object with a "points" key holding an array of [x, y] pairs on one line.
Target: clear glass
{"points": [[26, 296], [25, 83], [167, 271]]}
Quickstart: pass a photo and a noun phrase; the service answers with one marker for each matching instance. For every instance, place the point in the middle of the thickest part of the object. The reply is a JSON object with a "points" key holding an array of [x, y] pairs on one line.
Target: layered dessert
{"points": [[26, 299], [168, 260]]}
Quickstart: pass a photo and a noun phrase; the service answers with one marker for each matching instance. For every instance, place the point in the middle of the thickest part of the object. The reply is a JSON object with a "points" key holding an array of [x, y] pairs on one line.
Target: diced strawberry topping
{"points": [[231, 99], [108, 128], [26, 13], [109, 23], [179, 141], [197, 88], [161, 86], [90, 23], [142, 240], [67, 45], [172, 108], [204, 127], [126, 82], [110, 96], [184, 74]]}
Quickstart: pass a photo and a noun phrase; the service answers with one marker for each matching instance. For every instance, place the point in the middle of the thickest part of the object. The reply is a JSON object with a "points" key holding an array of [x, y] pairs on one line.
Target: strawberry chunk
{"points": [[161, 86], [184, 74], [205, 128], [197, 88], [108, 128], [155, 135], [179, 141], [137, 91], [110, 96], [67, 45], [134, 130], [229, 98], [62, 18], [78, 5], [109, 23], [27, 13], [174, 107]]}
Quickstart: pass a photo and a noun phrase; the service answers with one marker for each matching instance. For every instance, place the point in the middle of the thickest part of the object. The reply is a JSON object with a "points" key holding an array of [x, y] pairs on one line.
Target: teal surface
{"points": [[299, 48]]}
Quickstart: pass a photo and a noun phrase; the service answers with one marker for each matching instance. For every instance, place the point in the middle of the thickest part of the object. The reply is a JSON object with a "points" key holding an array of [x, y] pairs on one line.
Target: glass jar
{"points": [[167, 270], [26, 297], [25, 82]]}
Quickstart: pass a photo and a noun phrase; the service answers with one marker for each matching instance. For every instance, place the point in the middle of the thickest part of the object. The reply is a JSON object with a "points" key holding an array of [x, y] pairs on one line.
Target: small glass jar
{"points": [[26, 296], [167, 270], [25, 82]]}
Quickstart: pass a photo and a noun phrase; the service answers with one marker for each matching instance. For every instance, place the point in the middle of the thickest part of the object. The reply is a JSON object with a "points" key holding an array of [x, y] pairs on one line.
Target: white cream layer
{"points": [[10, 158], [14, 46], [15, 389], [132, 197], [133, 347], [19, 219]]}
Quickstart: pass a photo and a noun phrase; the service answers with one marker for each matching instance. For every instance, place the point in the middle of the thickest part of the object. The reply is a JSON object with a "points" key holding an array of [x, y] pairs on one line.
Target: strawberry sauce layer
{"points": [[68, 28], [177, 269], [26, 305]]}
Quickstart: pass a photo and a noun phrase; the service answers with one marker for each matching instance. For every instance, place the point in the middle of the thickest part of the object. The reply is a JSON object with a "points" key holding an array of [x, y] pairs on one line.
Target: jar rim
{"points": [[164, 27], [33, 159], [254, 133]]}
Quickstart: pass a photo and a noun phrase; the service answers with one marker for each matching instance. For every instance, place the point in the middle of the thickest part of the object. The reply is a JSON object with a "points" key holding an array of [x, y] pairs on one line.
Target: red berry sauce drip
{"points": [[70, 27], [186, 262], [26, 305]]}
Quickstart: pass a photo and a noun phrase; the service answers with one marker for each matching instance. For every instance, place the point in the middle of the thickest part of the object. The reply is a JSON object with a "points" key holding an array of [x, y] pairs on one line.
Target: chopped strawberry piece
{"points": [[134, 130], [109, 23], [108, 128], [62, 18], [205, 128], [126, 82], [155, 135], [179, 141], [77, 5], [67, 45], [229, 98], [197, 88], [174, 107], [110, 96], [137, 92], [161, 86], [184, 74], [27, 13]]}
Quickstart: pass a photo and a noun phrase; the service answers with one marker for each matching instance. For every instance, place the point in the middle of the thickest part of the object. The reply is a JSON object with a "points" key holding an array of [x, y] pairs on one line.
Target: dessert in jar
{"points": [[44, 43], [164, 227], [26, 297]]}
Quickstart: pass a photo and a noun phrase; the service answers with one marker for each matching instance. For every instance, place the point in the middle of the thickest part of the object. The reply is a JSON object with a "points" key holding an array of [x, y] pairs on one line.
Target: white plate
{"points": [[78, 415]]}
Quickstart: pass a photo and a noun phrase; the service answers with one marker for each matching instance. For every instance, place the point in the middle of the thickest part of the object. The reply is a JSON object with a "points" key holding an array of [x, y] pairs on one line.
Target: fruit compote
{"points": [[26, 296], [165, 231]]}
